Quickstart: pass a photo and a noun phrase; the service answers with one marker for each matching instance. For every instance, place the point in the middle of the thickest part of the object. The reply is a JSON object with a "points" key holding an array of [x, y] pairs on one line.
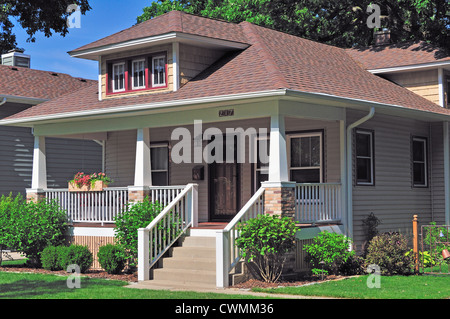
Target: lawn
{"points": [[43, 286], [391, 287]]}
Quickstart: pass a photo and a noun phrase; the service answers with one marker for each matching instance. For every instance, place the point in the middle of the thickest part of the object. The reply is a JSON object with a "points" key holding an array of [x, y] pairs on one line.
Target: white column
{"points": [[278, 162], [143, 254], [441, 87], [446, 139], [343, 162], [176, 65], [39, 178], [142, 171]]}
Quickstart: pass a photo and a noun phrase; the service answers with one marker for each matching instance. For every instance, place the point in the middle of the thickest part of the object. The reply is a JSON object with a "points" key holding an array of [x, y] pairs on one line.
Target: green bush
{"points": [[77, 255], [52, 257], [329, 253], [111, 258], [265, 240], [29, 227], [138, 215], [389, 252]]}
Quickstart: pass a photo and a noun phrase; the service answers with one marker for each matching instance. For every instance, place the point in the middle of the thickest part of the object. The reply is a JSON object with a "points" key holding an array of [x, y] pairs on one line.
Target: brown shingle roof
{"points": [[395, 55], [30, 83], [274, 60], [174, 21]]}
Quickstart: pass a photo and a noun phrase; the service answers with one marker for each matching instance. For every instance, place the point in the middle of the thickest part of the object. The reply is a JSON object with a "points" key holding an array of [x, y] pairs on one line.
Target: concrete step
{"points": [[194, 252], [189, 263], [174, 285], [185, 275], [194, 241]]}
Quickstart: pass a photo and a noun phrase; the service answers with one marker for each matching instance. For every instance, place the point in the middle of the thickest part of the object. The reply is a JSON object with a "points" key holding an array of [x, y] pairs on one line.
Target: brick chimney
{"points": [[16, 57], [382, 37]]}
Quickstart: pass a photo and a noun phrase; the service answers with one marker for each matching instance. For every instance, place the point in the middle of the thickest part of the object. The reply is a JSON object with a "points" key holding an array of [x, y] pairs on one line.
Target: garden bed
{"points": [[254, 283], [129, 277]]}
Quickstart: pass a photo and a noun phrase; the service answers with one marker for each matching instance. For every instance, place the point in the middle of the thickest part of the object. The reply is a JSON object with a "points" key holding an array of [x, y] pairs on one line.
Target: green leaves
{"points": [[265, 240]]}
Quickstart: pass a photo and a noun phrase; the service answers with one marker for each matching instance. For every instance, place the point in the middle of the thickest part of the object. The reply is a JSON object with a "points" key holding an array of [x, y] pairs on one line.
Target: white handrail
{"points": [[155, 239], [227, 255]]}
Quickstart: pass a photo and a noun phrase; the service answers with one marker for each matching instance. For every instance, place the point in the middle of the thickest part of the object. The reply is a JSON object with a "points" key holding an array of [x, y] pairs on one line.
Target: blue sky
{"points": [[106, 17]]}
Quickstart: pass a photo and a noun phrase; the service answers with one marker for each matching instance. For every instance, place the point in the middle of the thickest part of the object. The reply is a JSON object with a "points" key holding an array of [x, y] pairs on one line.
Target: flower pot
{"points": [[445, 254], [97, 187]]}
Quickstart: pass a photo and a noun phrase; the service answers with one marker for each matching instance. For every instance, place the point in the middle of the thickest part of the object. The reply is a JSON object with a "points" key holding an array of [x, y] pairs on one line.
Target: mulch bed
{"points": [[92, 273], [253, 283]]}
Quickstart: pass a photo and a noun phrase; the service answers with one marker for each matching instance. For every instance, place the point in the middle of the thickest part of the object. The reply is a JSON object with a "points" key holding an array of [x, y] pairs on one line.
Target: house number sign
{"points": [[226, 112]]}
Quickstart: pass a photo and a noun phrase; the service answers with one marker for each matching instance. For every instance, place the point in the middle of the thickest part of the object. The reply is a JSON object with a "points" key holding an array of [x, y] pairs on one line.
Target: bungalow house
{"points": [[182, 103], [21, 88]]}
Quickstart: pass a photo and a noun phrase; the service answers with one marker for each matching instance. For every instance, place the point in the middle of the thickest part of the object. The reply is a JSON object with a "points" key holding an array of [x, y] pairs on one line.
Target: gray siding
{"points": [[393, 199]]}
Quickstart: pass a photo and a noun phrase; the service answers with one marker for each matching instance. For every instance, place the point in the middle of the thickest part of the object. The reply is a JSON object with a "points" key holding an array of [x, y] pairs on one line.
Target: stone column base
{"points": [[279, 198], [137, 194], [35, 195]]}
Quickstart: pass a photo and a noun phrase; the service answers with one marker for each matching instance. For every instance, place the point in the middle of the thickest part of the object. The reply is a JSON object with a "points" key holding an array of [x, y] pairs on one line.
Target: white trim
{"points": [[410, 67], [441, 87], [446, 141], [23, 99], [175, 66], [92, 231]]}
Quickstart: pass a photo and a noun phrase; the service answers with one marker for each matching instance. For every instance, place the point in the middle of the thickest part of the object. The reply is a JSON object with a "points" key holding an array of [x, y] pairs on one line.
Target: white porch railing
{"points": [[318, 202], [227, 255], [166, 228], [91, 207], [165, 194]]}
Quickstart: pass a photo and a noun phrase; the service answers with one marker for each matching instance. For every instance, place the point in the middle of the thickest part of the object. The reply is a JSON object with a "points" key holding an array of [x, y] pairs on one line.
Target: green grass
{"points": [[392, 287], [43, 286]]}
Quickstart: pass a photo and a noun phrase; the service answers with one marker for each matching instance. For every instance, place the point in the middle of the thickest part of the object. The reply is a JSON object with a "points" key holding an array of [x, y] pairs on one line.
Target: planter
{"points": [[97, 187]]}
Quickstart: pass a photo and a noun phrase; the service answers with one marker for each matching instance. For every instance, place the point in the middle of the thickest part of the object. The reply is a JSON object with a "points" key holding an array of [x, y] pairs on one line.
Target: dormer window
{"points": [[159, 71], [118, 76], [137, 73]]}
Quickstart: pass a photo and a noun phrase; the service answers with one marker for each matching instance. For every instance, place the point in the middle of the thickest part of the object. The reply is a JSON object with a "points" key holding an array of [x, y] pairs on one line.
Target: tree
{"points": [[341, 23], [47, 16]]}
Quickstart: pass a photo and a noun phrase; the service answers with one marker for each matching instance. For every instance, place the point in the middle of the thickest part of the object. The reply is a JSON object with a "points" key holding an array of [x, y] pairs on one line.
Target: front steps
{"points": [[192, 264]]}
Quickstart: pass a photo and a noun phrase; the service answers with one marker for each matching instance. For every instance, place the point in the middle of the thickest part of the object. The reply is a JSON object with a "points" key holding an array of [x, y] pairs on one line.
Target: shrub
{"points": [[52, 257], [30, 227], [330, 253], [389, 252], [111, 258], [265, 240], [77, 255], [138, 215]]}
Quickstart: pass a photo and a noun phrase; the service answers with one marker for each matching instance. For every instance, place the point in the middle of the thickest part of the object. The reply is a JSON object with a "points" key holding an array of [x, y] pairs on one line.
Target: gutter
{"points": [[3, 101], [349, 231]]}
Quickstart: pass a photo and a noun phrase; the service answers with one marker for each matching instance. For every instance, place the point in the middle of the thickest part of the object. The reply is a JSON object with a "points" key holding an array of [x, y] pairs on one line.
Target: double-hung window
{"points": [[305, 157], [364, 154], [138, 73], [118, 74], [160, 164], [159, 71], [419, 162]]}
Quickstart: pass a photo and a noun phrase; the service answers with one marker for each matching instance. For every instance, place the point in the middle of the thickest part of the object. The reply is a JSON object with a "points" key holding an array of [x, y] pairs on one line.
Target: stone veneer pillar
{"points": [[279, 198], [35, 195], [137, 193]]}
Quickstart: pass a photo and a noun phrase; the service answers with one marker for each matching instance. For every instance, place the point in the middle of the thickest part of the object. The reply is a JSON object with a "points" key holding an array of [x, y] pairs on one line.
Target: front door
{"points": [[224, 186]]}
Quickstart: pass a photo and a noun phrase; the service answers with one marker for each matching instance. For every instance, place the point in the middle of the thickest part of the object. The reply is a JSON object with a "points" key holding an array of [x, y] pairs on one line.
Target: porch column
{"points": [[279, 195], [39, 175], [446, 129], [142, 170]]}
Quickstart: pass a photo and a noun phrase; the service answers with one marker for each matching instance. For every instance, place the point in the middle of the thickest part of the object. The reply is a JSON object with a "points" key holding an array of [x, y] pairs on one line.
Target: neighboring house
{"points": [[20, 89], [345, 138]]}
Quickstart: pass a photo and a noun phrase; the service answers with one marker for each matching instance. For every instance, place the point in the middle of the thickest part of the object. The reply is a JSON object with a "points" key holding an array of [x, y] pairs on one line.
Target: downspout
{"points": [[349, 231]]}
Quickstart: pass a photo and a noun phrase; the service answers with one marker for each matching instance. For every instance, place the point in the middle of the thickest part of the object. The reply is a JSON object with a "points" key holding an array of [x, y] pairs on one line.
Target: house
{"points": [[21, 88], [182, 103]]}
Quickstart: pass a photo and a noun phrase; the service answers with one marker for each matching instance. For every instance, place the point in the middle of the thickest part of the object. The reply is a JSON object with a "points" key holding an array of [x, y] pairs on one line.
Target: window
{"points": [[159, 71], [138, 73], [262, 161], [419, 161], [118, 76], [160, 164], [306, 157], [364, 157]]}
